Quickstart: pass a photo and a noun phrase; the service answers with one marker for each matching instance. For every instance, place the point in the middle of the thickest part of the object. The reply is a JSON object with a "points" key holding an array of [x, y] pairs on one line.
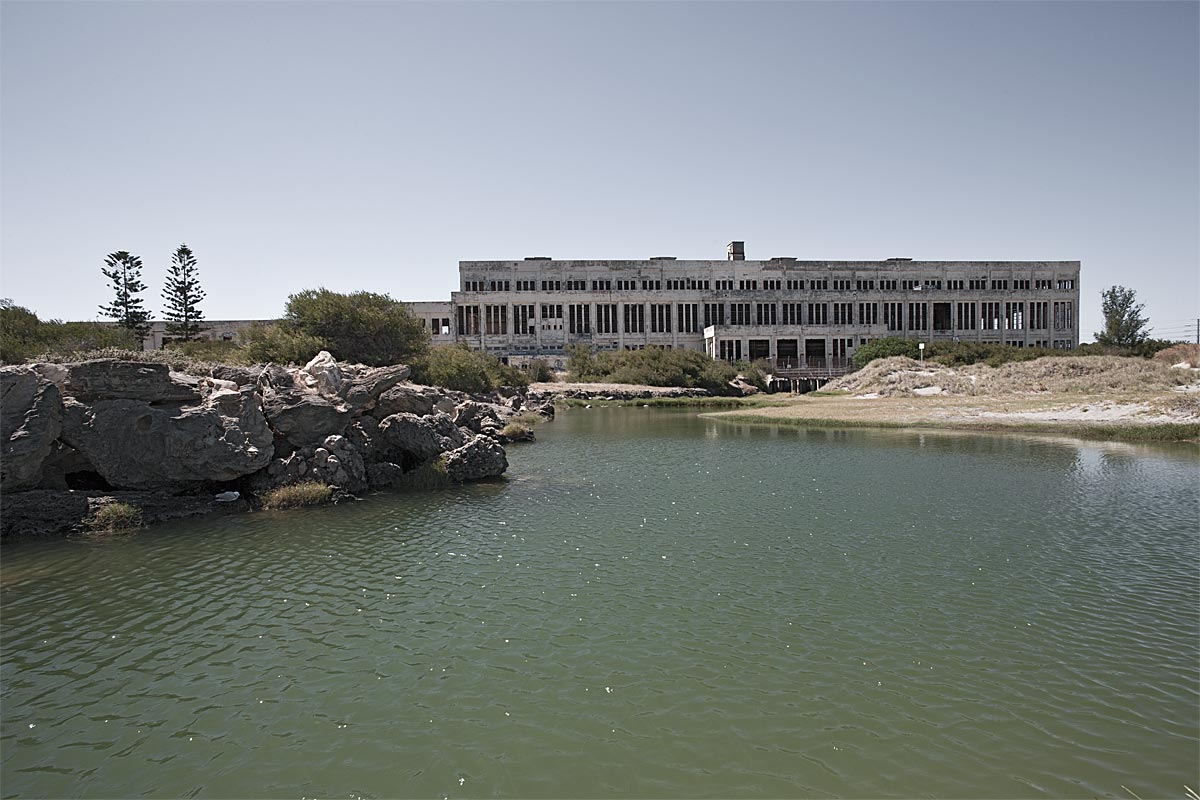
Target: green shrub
{"points": [[115, 517], [24, 337], [884, 348], [296, 495], [213, 351], [651, 367], [458, 367], [539, 371], [269, 341], [362, 327]]}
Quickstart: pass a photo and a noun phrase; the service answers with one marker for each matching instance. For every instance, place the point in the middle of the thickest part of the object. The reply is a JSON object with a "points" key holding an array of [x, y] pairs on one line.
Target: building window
{"points": [[977, 284], [865, 286], [551, 311], [892, 316], [766, 313], [843, 313], [551, 286], [748, 286], [1014, 316], [954, 286], [688, 317], [731, 351], [918, 317], [714, 314], [526, 286], [966, 316], [523, 319], [579, 318], [1066, 283], [635, 318], [868, 313], [1000, 285], [888, 286], [841, 284], [576, 286], [651, 285], [991, 316], [1043, 283], [1064, 316], [739, 313], [792, 313], [772, 285], [660, 318], [468, 320], [818, 313], [820, 284], [1021, 285], [496, 320], [725, 285], [606, 318], [795, 285], [1038, 316]]}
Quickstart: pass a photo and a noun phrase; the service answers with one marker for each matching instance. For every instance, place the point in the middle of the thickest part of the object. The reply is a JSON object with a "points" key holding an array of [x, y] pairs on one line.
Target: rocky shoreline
{"points": [[76, 437]]}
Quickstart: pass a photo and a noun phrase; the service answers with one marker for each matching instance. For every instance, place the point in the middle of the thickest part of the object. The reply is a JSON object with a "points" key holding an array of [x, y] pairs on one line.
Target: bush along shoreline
{"points": [[79, 437]]}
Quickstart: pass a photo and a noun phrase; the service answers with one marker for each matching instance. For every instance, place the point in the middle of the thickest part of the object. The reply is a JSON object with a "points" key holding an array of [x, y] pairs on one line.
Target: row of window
{"points": [[792, 285], [687, 318]]}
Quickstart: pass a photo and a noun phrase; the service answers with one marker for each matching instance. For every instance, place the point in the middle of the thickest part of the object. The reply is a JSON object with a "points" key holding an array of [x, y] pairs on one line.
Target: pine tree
{"points": [[125, 272], [181, 294], [1124, 325]]}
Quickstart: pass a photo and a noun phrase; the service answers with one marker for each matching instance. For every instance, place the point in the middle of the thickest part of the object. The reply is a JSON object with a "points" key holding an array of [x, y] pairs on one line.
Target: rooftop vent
{"points": [[737, 251], [662, 258], [537, 258], [899, 259]]}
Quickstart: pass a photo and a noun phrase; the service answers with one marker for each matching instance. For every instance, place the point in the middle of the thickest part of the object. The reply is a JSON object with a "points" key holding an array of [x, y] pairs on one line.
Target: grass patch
{"points": [[297, 495], [113, 517], [515, 431], [528, 419]]}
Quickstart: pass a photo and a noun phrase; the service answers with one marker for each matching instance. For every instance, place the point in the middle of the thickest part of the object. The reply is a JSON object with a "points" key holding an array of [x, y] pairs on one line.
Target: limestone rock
{"points": [[363, 388], [110, 379], [135, 445], [322, 374], [30, 422], [384, 475], [304, 419], [409, 440], [478, 459]]}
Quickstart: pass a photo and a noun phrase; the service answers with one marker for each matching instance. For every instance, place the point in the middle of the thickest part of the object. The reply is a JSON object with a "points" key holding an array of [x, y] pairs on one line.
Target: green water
{"points": [[652, 605]]}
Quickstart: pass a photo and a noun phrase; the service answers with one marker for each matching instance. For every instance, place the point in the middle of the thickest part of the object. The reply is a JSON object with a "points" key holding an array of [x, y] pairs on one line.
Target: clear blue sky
{"points": [[374, 145]]}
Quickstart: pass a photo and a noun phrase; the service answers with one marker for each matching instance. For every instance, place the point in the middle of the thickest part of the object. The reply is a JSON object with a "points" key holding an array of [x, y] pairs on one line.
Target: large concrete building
{"points": [[795, 313]]}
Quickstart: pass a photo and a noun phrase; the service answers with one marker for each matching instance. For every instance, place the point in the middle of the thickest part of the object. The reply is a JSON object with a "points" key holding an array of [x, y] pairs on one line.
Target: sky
{"points": [[372, 146]]}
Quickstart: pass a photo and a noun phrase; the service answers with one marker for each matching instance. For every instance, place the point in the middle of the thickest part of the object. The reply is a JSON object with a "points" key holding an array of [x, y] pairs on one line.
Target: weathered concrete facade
{"points": [[790, 311]]}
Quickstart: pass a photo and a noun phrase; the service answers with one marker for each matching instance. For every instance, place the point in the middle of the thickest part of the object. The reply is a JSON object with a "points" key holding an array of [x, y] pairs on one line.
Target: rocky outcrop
{"points": [[135, 445], [104, 428], [30, 423], [479, 458]]}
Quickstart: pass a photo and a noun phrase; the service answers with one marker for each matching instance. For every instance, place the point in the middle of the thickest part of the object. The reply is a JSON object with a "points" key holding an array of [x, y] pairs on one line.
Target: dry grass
{"points": [[1180, 354], [1073, 375], [113, 517], [515, 431], [308, 493]]}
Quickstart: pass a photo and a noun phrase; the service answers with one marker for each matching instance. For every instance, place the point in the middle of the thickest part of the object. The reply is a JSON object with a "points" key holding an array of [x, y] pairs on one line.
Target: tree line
{"points": [[181, 294]]}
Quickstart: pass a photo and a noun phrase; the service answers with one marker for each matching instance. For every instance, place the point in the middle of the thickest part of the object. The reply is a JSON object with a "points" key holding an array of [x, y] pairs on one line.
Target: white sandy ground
{"points": [[1136, 413]]}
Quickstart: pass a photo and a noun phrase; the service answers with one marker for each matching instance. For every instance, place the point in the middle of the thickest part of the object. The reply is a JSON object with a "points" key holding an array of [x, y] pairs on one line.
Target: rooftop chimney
{"points": [[737, 251]]}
